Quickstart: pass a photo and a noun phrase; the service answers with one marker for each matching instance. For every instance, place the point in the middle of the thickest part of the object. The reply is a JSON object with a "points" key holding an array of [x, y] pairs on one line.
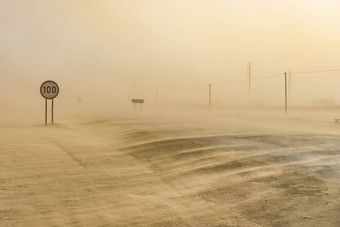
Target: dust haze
{"points": [[214, 144]]}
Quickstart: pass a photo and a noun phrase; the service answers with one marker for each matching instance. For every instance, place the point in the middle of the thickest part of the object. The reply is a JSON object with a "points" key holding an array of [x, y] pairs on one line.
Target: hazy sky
{"points": [[112, 50]]}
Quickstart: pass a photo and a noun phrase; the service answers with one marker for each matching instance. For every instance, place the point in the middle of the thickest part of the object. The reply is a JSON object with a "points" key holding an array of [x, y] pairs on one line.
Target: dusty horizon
{"points": [[108, 52]]}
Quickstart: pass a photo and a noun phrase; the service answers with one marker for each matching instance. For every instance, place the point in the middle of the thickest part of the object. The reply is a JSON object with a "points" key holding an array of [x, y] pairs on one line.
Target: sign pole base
{"points": [[45, 111], [52, 111]]}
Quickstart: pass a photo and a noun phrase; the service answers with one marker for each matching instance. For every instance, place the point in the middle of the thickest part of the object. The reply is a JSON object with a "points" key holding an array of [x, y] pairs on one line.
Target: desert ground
{"points": [[169, 169]]}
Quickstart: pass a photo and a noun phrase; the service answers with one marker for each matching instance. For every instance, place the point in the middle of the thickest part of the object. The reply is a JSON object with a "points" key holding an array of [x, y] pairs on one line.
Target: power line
{"points": [[245, 80], [264, 77], [256, 78], [318, 71], [220, 83]]}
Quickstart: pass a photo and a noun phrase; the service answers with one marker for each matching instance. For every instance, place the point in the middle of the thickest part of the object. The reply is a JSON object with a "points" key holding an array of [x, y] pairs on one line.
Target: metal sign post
{"points": [[49, 90], [52, 111], [45, 111]]}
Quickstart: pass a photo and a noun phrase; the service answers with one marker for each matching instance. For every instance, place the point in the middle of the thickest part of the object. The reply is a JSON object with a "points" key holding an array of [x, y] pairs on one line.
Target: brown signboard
{"points": [[137, 100]]}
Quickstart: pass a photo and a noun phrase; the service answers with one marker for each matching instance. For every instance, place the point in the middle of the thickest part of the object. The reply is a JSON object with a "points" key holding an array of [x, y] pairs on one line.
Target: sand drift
{"points": [[168, 172]]}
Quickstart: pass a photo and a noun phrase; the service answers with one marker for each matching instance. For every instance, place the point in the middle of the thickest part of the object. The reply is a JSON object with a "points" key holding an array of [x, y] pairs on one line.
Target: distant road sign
{"points": [[49, 89], [137, 100]]}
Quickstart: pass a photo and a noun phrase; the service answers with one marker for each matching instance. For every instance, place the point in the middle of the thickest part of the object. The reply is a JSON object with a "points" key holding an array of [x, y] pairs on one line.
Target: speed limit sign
{"points": [[49, 89]]}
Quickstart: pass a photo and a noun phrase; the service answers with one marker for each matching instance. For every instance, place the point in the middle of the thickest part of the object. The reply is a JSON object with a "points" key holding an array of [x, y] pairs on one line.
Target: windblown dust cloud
{"points": [[109, 51], [172, 162]]}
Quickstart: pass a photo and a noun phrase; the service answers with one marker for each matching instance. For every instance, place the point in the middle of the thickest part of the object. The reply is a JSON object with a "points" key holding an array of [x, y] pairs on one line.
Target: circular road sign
{"points": [[49, 89]]}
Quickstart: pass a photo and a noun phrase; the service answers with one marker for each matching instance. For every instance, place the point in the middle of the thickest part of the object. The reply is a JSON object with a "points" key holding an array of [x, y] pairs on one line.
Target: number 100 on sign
{"points": [[49, 89]]}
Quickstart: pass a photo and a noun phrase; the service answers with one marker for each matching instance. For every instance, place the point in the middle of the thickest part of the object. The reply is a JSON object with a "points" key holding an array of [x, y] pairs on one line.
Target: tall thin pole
{"points": [[289, 82], [52, 110], [249, 75], [209, 97], [286, 93], [45, 111]]}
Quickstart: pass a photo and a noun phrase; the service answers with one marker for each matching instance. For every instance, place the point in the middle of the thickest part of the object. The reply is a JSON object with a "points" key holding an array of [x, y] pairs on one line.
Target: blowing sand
{"points": [[166, 170]]}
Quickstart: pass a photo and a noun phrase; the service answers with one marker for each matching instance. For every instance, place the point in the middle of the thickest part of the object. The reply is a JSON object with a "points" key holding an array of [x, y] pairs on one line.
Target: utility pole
{"points": [[249, 77], [286, 93], [290, 82], [209, 97]]}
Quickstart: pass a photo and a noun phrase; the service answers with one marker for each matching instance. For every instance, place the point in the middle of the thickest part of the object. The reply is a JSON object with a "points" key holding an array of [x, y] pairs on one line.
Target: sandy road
{"points": [[120, 172], [57, 176]]}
